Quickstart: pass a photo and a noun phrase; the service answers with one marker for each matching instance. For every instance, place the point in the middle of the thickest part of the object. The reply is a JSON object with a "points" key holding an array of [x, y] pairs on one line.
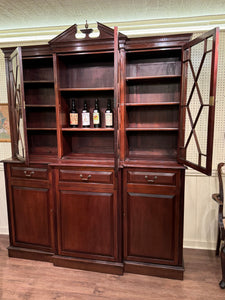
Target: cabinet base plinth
{"points": [[171, 272], [89, 265], [27, 253]]}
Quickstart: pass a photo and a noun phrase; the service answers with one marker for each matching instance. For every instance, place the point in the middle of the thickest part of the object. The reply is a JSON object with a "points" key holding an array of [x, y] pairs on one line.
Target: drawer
{"points": [[29, 172], [166, 178], [86, 176]]}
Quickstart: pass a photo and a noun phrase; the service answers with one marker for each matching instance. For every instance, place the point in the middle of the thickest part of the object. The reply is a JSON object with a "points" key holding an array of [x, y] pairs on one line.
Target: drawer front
{"points": [[86, 176], [29, 172], [167, 178]]}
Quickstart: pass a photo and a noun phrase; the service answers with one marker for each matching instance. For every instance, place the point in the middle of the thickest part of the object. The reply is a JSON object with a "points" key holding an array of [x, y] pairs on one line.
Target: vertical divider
{"points": [[116, 98], [57, 104], [117, 176], [122, 104]]}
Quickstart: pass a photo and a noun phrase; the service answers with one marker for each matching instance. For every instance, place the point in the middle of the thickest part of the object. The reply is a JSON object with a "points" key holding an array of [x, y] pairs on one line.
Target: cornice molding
{"points": [[42, 35]]}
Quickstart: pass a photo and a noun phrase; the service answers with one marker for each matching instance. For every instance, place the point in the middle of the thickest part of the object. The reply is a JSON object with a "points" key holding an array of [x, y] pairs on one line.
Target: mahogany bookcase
{"points": [[106, 199]]}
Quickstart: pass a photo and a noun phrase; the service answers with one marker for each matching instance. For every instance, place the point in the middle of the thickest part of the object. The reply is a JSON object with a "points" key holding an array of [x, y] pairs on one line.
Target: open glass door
{"points": [[198, 93], [17, 105]]}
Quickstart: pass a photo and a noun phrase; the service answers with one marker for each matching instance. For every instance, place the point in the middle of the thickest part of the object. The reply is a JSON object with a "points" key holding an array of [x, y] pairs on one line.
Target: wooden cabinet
{"points": [[107, 199], [87, 218], [152, 205], [31, 207]]}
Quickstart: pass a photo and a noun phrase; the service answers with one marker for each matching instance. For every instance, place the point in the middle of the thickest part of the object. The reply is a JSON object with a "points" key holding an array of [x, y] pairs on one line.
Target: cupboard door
{"points": [[151, 228], [197, 112], [87, 224], [31, 217]]}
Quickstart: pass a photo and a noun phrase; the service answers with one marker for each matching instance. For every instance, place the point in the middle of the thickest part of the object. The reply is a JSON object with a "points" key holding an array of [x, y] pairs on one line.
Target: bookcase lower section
{"points": [[74, 217]]}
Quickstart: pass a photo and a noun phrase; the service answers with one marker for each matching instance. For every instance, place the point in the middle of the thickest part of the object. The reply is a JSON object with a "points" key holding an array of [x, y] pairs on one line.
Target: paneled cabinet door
{"points": [[87, 224], [151, 218], [31, 225]]}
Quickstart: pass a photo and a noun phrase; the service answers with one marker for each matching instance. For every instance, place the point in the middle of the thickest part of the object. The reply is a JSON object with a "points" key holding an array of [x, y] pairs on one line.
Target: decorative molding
{"points": [[131, 29]]}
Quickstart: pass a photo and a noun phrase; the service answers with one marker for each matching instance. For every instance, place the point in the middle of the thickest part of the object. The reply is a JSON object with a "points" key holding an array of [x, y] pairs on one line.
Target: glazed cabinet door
{"points": [[14, 70], [198, 94], [152, 220], [30, 208], [87, 214]]}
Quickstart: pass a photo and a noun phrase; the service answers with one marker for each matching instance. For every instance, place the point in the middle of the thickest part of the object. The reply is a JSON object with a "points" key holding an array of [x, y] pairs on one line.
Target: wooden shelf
{"points": [[88, 89], [89, 156], [158, 77], [37, 81], [42, 129], [40, 105], [153, 104], [152, 129], [88, 129]]}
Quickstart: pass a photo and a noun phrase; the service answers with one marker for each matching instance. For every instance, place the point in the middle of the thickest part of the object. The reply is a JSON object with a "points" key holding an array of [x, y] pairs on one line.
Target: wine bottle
{"points": [[96, 115], [108, 115], [85, 116], [73, 115]]}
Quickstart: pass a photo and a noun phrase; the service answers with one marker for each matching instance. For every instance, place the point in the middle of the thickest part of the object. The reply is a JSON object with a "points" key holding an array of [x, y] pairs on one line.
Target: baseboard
{"points": [[4, 230], [88, 265], [195, 244], [29, 254], [166, 271]]}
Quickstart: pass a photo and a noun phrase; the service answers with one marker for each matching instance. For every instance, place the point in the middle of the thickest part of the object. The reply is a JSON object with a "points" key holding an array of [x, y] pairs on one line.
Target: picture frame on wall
{"points": [[4, 123]]}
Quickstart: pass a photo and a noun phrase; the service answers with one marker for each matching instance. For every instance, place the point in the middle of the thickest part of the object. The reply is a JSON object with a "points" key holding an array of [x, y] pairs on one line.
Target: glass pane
{"points": [[197, 52], [210, 43], [204, 78]]}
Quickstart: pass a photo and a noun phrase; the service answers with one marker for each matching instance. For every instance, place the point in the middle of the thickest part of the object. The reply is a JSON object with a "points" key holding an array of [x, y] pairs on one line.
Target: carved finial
{"points": [[86, 31]]}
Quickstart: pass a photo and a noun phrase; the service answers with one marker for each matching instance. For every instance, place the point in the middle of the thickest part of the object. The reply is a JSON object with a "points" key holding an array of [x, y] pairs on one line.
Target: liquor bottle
{"points": [[73, 115], [108, 115], [96, 115], [85, 116]]}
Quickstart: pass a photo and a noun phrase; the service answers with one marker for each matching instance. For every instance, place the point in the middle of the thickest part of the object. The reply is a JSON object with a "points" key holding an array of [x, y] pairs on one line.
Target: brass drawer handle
{"points": [[151, 180], [85, 179], [28, 174]]}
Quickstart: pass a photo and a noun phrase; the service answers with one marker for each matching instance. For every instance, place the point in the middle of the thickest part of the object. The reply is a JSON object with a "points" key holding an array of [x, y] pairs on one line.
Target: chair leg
{"points": [[218, 243], [222, 282]]}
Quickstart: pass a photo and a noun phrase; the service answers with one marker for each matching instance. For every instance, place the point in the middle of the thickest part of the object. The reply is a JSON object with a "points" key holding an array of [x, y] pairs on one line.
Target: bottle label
{"points": [[108, 119], [96, 118], [86, 119], [73, 118]]}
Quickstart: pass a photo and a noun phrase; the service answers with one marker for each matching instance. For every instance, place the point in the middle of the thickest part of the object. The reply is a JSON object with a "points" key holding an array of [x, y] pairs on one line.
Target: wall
{"points": [[5, 152], [200, 217]]}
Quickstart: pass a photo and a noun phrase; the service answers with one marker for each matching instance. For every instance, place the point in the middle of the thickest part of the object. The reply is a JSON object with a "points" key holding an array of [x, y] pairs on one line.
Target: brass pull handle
{"points": [[85, 179], [28, 174], [151, 180]]}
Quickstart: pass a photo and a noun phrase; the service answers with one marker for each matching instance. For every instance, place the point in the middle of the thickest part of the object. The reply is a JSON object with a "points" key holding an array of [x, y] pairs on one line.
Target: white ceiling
{"points": [[15, 14]]}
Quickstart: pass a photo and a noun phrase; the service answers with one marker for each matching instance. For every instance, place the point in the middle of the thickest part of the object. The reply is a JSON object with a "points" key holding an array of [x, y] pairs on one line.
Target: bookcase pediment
{"points": [[69, 37]]}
